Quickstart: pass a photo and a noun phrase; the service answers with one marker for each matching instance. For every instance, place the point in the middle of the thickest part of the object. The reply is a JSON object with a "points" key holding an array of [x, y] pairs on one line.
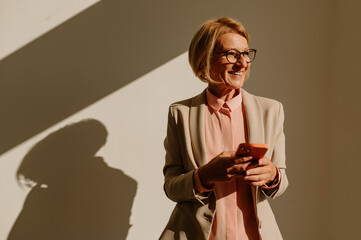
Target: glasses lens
{"points": [[246, 56], [232, 56], [251, 55]]}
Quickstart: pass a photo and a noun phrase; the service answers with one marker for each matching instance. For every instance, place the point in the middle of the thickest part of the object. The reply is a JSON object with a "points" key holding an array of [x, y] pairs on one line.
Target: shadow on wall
{"points": [[74, 194], [86, 58]]}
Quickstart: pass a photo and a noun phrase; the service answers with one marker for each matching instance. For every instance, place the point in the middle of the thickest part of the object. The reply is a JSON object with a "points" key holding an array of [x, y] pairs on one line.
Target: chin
{"points": [[235, 84]]}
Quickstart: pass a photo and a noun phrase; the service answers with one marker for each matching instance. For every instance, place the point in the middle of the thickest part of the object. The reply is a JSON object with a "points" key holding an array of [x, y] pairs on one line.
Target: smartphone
{"points": [[256, 150]]}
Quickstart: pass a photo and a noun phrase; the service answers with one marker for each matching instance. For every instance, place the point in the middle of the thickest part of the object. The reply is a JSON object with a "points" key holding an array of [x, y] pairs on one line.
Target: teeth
{"points": [[236, 73]]}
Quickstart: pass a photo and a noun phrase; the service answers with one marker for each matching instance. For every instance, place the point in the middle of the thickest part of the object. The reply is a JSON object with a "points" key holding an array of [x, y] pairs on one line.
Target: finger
{"points": [[239, 167], [256, 178], [260, 163], [229, 177], [258, 170], [238, 159], [264, 162], [253, 164], [232, 161], [239, 170]]}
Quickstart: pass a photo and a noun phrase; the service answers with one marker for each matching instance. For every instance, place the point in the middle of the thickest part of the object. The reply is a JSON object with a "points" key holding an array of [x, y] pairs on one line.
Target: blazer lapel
{"points": [[255, 127], [196, 128]]}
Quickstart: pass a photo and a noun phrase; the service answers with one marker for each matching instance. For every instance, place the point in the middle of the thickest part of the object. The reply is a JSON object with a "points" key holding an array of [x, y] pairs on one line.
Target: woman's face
{"points": [[230, 76]]}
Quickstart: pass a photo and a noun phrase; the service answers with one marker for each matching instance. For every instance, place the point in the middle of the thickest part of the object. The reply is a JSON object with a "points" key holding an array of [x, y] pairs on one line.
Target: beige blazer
{"points": [[186, 150]]}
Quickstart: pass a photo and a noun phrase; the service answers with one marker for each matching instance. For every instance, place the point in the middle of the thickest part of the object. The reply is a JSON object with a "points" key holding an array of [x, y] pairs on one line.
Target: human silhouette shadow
{"points": [[75, 194]]}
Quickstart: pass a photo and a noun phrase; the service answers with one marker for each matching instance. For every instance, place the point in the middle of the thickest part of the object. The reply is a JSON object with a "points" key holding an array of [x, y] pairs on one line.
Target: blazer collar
{"points": [[254, 118]]}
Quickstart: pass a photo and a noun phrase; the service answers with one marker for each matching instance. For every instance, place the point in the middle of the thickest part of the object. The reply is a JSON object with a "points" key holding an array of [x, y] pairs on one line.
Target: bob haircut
{"points": [[206, 40]]}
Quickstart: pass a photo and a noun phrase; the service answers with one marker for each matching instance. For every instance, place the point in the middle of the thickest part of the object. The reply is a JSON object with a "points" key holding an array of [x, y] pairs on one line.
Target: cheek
{"points": [[222, 69], [216, 70]]}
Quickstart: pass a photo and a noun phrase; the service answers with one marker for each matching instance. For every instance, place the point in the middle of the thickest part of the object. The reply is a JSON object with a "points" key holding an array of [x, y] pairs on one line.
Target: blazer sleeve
{"points": [[178, 179], [279, 157]]}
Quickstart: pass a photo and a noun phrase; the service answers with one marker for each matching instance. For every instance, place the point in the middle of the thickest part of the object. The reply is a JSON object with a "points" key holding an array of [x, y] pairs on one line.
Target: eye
{"points": [[245, 53], [233, 54]]}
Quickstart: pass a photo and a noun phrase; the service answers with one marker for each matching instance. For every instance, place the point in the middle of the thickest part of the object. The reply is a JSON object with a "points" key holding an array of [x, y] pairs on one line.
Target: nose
{"points": [[242, 62]]}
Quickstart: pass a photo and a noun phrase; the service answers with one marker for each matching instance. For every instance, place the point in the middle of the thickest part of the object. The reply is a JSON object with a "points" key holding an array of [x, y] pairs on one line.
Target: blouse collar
{"points": [[216, 103]]}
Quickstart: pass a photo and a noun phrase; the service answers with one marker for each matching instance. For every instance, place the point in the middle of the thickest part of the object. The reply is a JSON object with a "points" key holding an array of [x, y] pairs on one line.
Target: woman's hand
{"points": [[222, 168], [260, 173]]}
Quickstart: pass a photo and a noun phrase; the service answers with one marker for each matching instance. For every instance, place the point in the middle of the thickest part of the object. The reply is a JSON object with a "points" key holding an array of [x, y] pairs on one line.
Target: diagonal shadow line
{"points": [[86, 58], [22, 24]]}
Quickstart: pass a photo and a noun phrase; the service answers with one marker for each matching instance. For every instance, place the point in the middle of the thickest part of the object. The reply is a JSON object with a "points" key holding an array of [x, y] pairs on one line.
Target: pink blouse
{"points": [[225, 129]]}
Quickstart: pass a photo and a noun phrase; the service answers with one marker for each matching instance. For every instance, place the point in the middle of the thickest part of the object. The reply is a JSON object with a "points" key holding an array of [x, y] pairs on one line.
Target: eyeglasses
{"points": [[233, 55]]}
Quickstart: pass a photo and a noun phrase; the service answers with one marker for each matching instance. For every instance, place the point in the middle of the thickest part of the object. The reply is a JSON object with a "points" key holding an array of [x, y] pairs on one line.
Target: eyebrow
{"points": [[233, 49]]}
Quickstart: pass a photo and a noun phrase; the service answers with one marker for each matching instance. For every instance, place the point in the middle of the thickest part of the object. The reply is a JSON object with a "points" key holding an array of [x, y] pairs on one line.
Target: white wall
{"points": [[135, 117], [123, 65], [23, 21]]}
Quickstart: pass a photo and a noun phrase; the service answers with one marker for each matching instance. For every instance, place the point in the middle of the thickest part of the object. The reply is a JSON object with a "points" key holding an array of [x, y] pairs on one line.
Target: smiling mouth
{"points": [[236, 73]]}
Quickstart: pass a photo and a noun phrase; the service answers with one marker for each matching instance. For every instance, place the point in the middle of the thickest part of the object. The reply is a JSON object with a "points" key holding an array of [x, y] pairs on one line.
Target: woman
{"points": [[221, 195]]}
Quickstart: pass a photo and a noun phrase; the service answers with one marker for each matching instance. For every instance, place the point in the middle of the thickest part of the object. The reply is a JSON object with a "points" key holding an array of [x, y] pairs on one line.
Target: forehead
{"points": [[232, 41]]}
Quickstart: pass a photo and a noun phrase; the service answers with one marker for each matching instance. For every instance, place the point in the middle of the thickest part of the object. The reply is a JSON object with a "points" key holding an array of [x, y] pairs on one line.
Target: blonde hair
{"points": [[206, 40]]}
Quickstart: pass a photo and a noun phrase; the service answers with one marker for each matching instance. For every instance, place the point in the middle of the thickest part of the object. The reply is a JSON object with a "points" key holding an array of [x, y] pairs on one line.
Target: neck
{"points": [[224, 94]]}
